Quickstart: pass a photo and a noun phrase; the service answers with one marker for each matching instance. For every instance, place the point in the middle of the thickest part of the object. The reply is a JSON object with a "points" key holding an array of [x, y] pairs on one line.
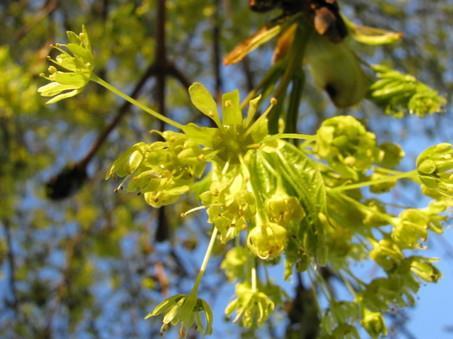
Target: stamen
{"points": [[193, 210]]}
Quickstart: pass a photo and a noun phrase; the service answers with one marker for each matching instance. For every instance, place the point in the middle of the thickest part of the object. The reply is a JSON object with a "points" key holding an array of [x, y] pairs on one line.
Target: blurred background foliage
{"points": [[93, 264]]}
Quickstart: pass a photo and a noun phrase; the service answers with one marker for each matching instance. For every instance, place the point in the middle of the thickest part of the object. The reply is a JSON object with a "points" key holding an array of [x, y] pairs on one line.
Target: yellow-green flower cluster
{"points": [[75, 65], [230, 206], [162, 170], [277, 199]]}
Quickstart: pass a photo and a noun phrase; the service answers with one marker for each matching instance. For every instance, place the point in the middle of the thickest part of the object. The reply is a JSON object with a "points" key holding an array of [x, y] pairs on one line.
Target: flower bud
{"points": [[253, 307], [411, 228], [345, 143], [267, 241], [424, 269], [187, 310], [391, 154], [374, 323], [381, 187], [236, 262], [386, 254], [284, 209], [435, 171]]}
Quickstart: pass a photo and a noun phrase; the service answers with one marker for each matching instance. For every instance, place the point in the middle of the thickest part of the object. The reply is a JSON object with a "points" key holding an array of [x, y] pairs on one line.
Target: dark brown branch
{"points": [[162, 231], [248, 73], [73, 176], [216, 52], [175, 72], [122, 111]]}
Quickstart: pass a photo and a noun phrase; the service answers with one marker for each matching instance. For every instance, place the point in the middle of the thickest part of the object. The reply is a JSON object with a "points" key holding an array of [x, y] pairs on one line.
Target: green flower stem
{"points": [[254, 285], [293, 66], [296, 136], [136, 103], [405, 175], [204, 264], [348, 285], [363, 208], [292, 113], [388, 171]]}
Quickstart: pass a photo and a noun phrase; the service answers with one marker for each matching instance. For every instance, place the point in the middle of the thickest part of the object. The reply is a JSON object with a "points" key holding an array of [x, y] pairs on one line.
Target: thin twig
{"points": [[48, 8], [122, 111], [216, 52]]}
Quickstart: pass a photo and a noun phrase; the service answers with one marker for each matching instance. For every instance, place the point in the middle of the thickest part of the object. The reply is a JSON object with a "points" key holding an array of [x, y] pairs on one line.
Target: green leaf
{"points": [[371, 35], [304, 178], [248, 45]]}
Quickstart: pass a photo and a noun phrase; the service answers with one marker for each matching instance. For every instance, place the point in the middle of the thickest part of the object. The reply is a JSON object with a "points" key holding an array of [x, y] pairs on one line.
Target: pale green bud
{"points": [[435, 171], [373, 323], [386, 254], [411, 228], [391, 154], [284, 209], [267, 241], [345, 143], [424, 269], [381, 187], [237, 263]]}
